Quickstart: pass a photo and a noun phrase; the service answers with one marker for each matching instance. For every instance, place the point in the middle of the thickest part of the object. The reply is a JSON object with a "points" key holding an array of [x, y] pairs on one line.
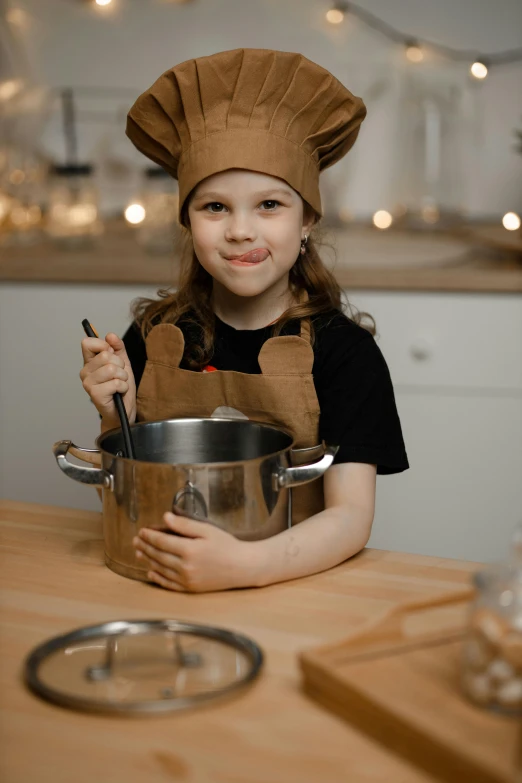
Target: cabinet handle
{"points": [[421, 350]]}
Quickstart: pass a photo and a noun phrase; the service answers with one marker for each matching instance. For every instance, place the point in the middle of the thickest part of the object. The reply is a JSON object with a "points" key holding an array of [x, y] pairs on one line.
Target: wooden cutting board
{"points": [[398, 681]]}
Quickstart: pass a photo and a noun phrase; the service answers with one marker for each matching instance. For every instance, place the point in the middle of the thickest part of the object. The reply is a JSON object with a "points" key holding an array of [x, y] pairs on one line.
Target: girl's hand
{"points": [[106, 370], [201, 558]]}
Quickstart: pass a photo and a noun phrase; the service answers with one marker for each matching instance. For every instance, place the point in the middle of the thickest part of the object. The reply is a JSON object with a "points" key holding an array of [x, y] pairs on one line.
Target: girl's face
{"points": [[236, 212]]}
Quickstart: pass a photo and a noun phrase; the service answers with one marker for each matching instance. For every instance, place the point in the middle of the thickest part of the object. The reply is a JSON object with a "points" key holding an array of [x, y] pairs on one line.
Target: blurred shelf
{"points": [[362, 258]]}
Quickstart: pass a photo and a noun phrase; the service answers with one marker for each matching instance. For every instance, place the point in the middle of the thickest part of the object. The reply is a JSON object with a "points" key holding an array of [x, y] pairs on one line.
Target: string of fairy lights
{"points": [[416, 49]]}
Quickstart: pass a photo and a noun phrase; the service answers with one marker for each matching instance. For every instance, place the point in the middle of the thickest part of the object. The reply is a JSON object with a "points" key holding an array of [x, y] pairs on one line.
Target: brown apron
{"points": [[283, 394]]}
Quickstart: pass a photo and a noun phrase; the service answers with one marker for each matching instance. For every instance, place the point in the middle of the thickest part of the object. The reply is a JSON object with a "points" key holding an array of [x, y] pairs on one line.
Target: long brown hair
{"points": [[192, 299]]}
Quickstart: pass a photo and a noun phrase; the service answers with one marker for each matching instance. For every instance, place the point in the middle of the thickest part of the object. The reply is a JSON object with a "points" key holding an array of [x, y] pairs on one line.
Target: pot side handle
{"points": [[302, 474], [95, 477]]}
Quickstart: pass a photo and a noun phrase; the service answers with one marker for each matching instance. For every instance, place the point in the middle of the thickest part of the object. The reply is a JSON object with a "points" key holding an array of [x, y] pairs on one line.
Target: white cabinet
{"points": [[456, 365], [41, 395]]}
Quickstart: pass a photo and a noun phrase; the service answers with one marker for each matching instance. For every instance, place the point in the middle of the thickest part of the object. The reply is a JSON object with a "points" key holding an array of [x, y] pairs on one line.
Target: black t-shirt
{"points": [[351, 378]]}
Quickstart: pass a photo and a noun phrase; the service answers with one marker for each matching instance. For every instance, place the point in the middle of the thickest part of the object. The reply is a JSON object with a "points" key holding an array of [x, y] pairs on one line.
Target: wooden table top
{"points": [[53, 580], [362, 259]]}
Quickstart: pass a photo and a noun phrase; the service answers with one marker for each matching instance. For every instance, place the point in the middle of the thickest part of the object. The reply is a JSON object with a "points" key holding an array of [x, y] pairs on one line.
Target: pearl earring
{"points": [[303, 244]]}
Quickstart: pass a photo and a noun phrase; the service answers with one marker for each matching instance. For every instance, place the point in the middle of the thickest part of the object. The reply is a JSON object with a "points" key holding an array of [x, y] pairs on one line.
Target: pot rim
{"points": [[188, 465]]}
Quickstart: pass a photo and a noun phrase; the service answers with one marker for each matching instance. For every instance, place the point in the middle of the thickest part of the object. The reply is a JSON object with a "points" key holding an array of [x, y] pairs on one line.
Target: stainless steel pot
{"points": [[238, 473]]}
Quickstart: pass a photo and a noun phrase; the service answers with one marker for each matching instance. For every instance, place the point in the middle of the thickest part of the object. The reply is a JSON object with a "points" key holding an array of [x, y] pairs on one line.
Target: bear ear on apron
{"points": [[288, 355], [165, 344]]}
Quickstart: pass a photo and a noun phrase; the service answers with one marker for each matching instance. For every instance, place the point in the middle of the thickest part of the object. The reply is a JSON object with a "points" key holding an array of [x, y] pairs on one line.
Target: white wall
{"points": [[128, 44]]}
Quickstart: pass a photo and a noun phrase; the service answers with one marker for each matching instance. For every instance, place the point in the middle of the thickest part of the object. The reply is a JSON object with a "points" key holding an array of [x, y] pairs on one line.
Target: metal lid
{"points": [[141, 666]]}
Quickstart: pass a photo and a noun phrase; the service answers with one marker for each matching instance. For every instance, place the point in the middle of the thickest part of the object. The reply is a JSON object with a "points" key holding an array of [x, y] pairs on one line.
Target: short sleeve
{"points": [[357, 400]]}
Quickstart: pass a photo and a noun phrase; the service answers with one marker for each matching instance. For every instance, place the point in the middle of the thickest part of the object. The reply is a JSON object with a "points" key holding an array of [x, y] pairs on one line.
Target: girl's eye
{"points": [[216, 208]]}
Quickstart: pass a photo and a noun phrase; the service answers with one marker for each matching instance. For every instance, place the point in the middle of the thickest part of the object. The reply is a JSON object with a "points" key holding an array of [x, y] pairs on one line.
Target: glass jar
{"points": [[429, 161], [72, 219], [22, 193], [159, 230], [492, 650]]}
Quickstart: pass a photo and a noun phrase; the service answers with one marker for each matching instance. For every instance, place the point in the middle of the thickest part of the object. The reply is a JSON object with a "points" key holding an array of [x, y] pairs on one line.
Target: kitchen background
{"points": [[421, 221]]}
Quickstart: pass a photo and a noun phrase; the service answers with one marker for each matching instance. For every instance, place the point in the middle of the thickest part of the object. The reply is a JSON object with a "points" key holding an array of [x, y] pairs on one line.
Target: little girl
{"points": [[255, 328]]}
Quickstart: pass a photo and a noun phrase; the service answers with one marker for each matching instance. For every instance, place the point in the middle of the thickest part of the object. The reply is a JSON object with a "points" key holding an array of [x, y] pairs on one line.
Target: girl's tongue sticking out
{"points": [[252, 257]]}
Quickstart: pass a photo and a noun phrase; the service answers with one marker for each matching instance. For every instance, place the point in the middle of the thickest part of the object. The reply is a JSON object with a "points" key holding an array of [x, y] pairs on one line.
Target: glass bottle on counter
{"points": [[492, 650], [159, 230], [429, 162], [72, 218], [22, 194]]}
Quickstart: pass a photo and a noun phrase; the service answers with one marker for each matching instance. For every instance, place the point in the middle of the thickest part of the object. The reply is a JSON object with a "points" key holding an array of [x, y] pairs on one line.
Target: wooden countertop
{"points": [[366, 259], [53, 580]]}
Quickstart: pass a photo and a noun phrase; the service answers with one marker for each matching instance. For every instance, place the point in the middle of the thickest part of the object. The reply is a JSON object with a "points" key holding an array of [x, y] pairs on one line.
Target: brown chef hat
{"points": [[273, 112]]}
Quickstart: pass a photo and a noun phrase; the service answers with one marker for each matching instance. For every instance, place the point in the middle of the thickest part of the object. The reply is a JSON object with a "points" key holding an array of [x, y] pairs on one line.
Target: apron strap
{"points": [[165, 344], [305, 329]]}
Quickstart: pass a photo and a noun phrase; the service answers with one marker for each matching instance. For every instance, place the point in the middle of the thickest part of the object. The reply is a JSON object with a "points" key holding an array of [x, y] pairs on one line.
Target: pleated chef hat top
{"points": [[273, 112]]}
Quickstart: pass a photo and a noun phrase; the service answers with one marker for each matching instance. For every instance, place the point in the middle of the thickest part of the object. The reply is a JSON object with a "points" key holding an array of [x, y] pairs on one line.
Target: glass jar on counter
{"points": [[22, 193], [492, 649], [159, 230], [72, 218], [432, 140]]}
